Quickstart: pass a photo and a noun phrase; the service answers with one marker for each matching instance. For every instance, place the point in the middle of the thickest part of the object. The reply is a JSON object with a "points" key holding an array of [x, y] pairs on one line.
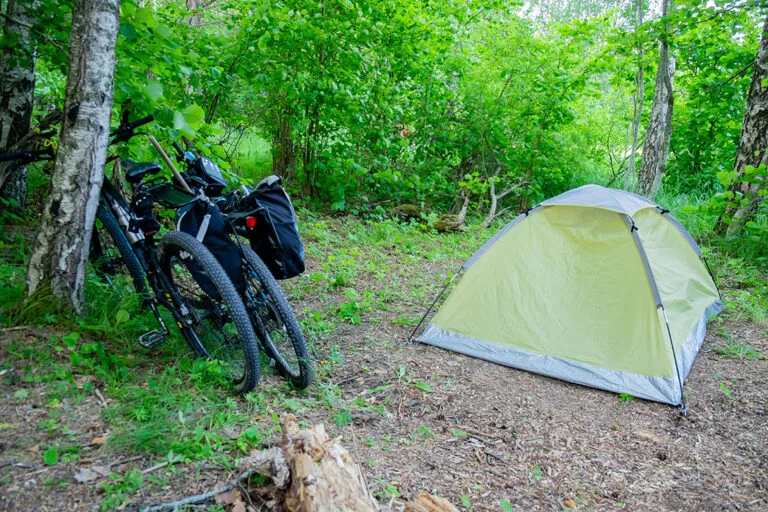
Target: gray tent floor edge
{"points": [[658, 389]]}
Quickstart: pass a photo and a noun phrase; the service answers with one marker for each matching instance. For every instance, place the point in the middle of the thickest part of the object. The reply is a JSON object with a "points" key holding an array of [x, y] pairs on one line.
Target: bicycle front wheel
{"points": [[111, 254], [275, 323], [212, 316]]}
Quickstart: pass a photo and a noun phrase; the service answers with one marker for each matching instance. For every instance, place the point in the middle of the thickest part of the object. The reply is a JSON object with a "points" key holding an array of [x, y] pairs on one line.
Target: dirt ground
{"points": [[484, 436], [486, 433]]}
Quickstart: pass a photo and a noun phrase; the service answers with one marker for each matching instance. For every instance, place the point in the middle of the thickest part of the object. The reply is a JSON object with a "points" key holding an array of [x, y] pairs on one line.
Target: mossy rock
{"points": [[449, 224], [406, 212]]}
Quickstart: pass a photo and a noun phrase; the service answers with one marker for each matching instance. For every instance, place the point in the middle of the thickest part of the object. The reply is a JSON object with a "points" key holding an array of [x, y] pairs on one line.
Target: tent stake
{"points": [[410, 338]]}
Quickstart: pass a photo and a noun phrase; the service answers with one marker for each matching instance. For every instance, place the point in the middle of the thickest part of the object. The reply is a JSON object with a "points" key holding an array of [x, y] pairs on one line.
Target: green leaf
{"points": [[194, 114], [458, 433], [465, 501], [153, 90], [342, 417], [506, 505], [51, 456], [424, 387], [122, 316], [21, 394], [262, 43], [378, 389], [70, 340]]}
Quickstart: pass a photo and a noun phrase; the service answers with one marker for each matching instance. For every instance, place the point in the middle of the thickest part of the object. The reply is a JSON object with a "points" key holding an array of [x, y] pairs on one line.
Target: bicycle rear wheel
{"points": [[111, 254], [275, 323], [213, 320]]}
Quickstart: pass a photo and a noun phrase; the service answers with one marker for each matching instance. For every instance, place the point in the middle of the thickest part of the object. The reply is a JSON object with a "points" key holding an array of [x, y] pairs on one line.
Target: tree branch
{"points": [[732, 77], [175, 505], [31, 27]]}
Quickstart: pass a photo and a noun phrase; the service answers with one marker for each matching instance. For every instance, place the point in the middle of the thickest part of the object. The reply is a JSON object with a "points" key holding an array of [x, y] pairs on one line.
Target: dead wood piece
{"points": [[429, 503], [269, 463], [324, 475]]}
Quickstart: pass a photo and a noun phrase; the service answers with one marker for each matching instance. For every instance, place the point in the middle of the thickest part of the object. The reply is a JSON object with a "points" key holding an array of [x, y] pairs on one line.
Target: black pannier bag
{"points": [[205, 222], [276, 236]]}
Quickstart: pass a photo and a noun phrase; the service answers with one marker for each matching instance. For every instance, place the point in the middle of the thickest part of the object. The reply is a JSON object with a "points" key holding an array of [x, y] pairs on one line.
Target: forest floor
{"points": [[83, 428]]}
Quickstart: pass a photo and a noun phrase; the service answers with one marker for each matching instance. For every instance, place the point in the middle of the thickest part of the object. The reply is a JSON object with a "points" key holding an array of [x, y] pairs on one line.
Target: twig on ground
{"points": [[100, 396], [158, 466], [13, 329], [174, 505], [469, 430]]}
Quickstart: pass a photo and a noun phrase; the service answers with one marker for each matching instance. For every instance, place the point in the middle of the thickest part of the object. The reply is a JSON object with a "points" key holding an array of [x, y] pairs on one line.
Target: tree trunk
{"points": [[638, 100], [196, 19], [60, 253], [17, 87], [752, 145], [283, 147], [659, 131]]}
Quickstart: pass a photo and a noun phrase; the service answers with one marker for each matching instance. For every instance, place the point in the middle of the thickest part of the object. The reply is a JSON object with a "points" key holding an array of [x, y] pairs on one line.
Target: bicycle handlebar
{"points": [[26, 157], [125, 132]]}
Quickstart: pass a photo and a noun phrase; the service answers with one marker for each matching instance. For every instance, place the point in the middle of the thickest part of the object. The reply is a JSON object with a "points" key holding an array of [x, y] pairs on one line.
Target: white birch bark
{"points": [[753, 145], [659, 131], [17, 86], [61, 248]]}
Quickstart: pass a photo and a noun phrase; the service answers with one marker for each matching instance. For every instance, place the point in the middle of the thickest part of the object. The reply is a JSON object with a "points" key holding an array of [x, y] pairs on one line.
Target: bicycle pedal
{"points": [[151, 339]]}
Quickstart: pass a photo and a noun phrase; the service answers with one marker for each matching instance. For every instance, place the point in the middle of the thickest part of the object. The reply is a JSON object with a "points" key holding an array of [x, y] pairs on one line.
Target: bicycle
{"points": [[183, 276], [273, 319]]}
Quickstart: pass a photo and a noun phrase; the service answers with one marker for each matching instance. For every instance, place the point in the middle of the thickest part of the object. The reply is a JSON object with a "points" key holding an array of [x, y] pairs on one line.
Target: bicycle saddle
{"points": [[135, 171]]}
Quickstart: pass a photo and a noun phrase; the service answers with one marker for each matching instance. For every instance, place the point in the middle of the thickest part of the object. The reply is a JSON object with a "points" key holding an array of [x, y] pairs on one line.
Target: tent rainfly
{"points": [[596, 286]]}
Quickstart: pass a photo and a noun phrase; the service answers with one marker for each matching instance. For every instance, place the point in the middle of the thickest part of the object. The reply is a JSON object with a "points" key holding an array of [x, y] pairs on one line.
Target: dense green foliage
{"points": [[362, 106], [373, 102]]}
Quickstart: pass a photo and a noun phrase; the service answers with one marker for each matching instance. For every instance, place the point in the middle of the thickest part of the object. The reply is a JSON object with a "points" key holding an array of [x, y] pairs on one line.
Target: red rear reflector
{"points": [[250, 222]]}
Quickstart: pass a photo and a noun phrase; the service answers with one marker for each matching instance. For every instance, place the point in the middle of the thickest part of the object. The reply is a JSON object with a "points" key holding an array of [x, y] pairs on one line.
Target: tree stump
{"points": [[312, 473], [323, 474]]}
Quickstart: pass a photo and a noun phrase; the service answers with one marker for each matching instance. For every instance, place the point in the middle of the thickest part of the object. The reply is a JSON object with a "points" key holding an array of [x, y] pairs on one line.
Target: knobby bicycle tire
{"points": [[186, 262], [127, 256], [273, 320]]}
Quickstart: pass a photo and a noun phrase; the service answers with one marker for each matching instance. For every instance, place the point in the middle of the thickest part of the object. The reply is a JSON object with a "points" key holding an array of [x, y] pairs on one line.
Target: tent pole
{"points": [[410, 338], [706, 264], [683, 406]]}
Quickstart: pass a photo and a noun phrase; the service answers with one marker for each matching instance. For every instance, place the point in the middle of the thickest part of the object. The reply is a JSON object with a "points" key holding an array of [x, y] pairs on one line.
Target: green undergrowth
{"points": [[372, 277], [168, 406]]}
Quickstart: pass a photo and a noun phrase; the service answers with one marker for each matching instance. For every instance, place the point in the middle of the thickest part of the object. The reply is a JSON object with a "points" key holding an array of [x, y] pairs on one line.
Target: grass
{"points": [[253, 160], [737, 350], [165, 405]]}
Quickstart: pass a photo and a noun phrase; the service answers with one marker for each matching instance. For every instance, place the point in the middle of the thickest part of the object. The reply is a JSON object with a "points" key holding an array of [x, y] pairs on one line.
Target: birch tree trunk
{"points": [[60, 253], [17, 87], [752, 145], [659, 131]]}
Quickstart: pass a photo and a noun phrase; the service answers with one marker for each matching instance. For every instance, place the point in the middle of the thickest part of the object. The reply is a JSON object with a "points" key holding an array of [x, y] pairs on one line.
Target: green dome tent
{"points": [[595, 286]]}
